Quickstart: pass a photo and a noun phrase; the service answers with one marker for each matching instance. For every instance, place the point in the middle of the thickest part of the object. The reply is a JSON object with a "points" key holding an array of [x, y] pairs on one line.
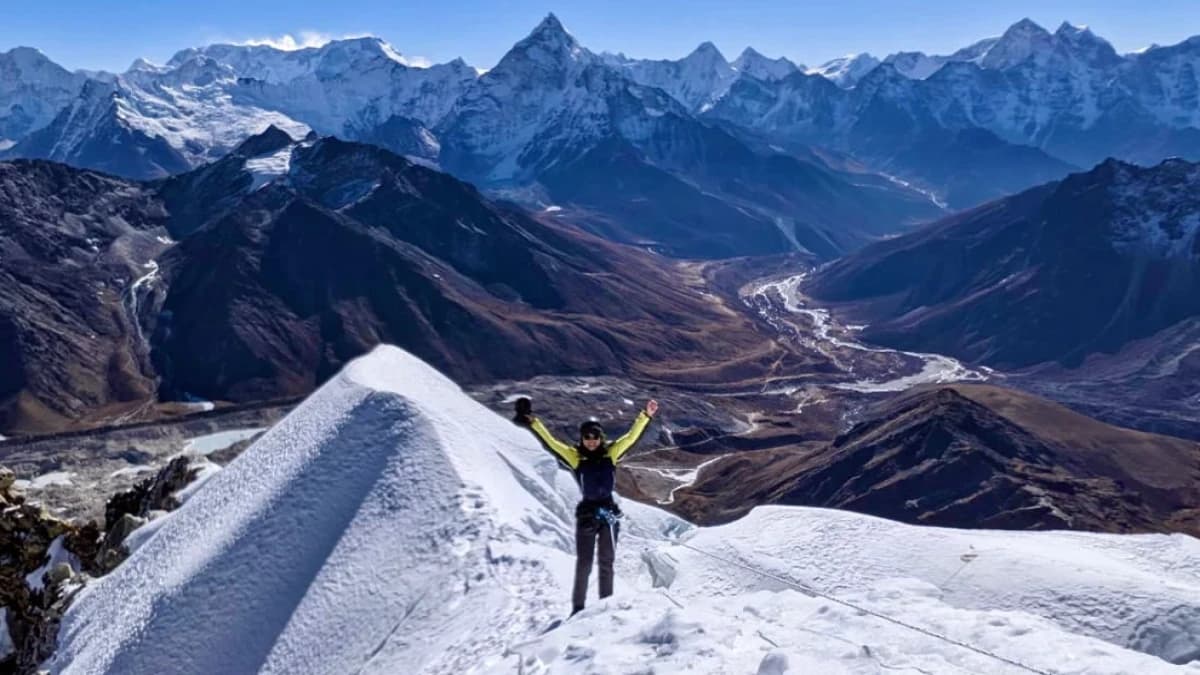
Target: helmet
{"points": [[591, 428]]}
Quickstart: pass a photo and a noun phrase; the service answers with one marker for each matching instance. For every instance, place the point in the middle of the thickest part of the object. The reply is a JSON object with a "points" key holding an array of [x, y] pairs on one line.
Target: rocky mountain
{"points": [[75, 248], [1151, 384], [256, 276], [1055, 273], [887, 124], [991, 119], [990, 457], [548, 126], [154, 121], [977, 456]]}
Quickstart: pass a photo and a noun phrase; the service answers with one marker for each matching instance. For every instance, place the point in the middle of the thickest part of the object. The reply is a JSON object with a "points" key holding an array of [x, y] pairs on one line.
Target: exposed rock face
{"points": [[1056, 273], [354, 246], [73, 246], [975, 456], [153, 494], [45, 560], [291, 258], [33, 593]]}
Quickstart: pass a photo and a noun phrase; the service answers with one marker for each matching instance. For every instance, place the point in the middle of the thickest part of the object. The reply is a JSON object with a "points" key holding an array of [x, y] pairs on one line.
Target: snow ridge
{"points": [[393, 524]]}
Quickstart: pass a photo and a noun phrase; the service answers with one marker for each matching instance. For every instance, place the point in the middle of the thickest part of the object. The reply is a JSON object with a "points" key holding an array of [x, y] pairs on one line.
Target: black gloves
{"points": [[523, 412]]}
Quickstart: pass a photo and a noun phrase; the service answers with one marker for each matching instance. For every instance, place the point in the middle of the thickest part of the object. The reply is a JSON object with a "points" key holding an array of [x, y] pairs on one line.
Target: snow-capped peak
{"points": [[754, 64], [550, 31], [28, 59], [707, 52], [141, 64], [846, 71], [274, 65], [548, 45], [1023, 40], [198, 71], [915, 65], [1086, 45], [1066, 28], [696, 80]]}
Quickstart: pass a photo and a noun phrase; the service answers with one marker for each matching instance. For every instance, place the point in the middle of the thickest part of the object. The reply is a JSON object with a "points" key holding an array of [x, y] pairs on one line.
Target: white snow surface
{"points": [[48, 479], [696, 80], [57, 553], [392, 524], [210, 443], [754, 64], [846, 71], [266, 168], [32, 91], [340, 87]]}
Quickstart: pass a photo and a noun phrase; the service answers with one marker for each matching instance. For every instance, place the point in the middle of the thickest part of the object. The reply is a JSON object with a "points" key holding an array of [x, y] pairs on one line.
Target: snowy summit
{"points": [[393, 524]]}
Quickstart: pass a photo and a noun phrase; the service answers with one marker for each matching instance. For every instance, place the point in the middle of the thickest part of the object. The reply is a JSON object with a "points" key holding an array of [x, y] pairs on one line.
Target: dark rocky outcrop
{"points": [[67, 553], [72, 244]]}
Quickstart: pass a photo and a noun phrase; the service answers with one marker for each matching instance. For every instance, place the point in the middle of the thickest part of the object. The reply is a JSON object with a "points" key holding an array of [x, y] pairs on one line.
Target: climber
{"points": [[593, 462]]}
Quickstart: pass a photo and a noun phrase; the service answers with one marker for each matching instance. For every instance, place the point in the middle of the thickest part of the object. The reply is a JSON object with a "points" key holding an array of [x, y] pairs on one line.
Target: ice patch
{"points": [[49, 479], [267, 168], [57, 553], [131, 471], [210, 443]]}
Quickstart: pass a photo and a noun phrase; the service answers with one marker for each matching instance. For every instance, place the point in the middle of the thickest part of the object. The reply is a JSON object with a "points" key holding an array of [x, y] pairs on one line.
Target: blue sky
{"points": [[109, 35]]}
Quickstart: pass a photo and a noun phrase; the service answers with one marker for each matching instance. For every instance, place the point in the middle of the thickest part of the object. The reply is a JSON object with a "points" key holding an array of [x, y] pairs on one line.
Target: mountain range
{"points": [[695, 157], [256, 276], [972, 455], [1074, 267]]}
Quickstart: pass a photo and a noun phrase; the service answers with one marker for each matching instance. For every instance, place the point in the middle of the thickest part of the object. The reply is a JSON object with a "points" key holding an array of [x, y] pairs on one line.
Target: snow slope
{"points": [[341, 88], [393, 524], [32, 91], [847, 70]]}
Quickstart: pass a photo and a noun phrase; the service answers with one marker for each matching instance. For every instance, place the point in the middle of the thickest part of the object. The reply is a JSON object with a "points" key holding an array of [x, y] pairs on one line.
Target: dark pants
{"points": [[589, 530]]}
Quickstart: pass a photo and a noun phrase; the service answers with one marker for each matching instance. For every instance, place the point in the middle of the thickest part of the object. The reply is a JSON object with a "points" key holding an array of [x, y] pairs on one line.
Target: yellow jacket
{"points": [[570, 454]]}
